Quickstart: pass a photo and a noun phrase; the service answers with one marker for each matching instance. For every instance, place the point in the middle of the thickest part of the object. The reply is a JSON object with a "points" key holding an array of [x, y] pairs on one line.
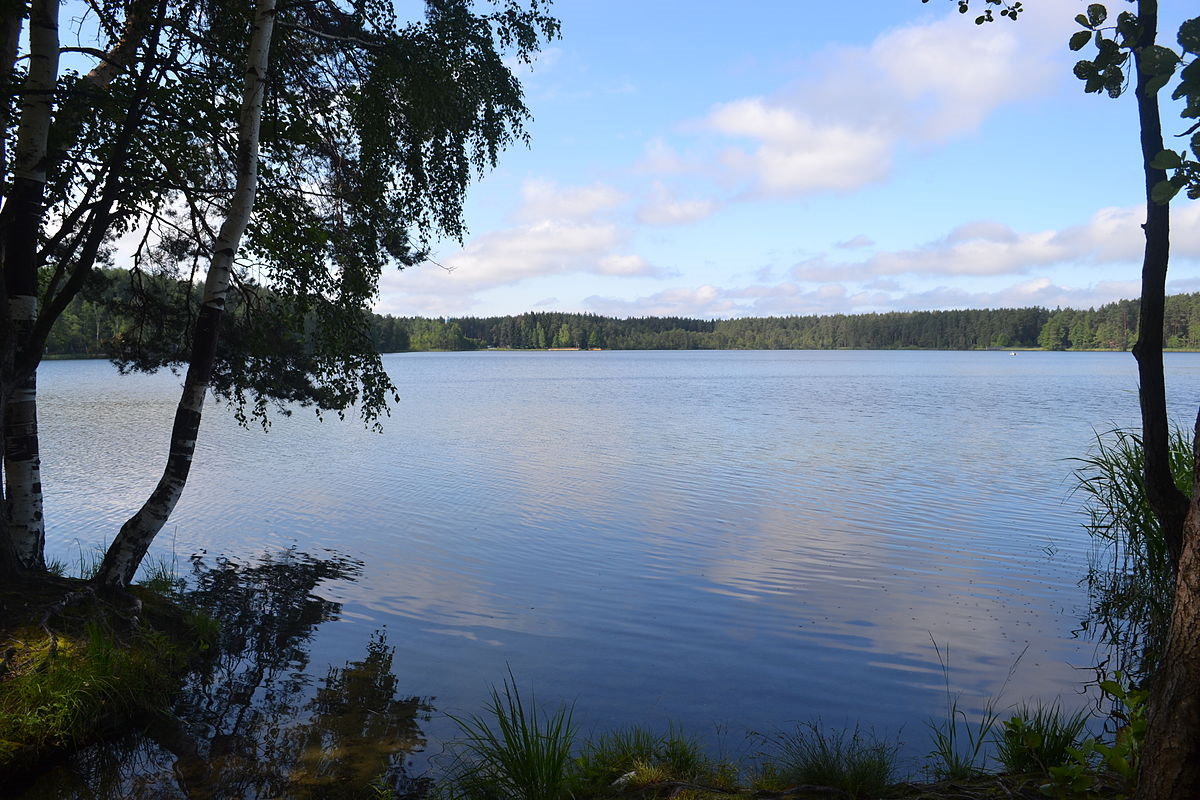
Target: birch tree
{"points": [[130, 545], [23, 213], [369, 132]]}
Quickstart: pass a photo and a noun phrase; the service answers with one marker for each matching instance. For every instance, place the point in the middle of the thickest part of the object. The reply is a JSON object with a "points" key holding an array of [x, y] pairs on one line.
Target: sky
{"points": [[720, 159]]}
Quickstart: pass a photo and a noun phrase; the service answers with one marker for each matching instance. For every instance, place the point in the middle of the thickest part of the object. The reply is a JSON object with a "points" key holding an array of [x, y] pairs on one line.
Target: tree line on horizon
{"points": [[1110, 327], [90, 324]]}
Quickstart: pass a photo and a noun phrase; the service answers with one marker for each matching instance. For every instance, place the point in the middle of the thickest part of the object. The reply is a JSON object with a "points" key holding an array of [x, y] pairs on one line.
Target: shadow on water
{"points": [[254, 722]]}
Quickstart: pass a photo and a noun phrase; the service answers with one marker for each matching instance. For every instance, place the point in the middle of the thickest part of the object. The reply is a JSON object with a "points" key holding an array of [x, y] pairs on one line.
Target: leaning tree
{"points": [[281, 154]]}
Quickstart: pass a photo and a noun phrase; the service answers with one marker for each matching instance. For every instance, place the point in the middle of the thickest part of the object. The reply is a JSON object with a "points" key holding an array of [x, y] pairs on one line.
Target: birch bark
{"points": [[22, 220], [131, 543]]}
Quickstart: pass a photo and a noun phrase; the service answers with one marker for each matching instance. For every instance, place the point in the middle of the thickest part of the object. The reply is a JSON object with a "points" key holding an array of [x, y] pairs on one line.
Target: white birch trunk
{"points": [[129, 548], [22, 217], [10, 36]]}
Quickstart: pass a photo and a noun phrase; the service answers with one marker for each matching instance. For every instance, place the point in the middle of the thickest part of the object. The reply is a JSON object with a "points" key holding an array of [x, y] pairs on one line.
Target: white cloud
{"points": [[513, 255], [840, 128], [1040, 291], [548, 247], [1112, 235], [545, 200], [789, 298], [950, 79], [624, 265], [796, 154], [660, 158], [710, 301], [662, 208], [855, 242]]}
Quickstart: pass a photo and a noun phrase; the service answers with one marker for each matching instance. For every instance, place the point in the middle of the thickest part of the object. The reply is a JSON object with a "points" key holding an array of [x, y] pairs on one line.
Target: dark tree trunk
{"points": [[1170, 767], [1171, 762], [1169, 504]]}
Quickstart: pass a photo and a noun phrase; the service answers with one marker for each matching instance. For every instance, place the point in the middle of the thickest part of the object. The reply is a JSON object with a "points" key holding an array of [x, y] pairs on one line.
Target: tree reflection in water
{"points": [[252, 723]]}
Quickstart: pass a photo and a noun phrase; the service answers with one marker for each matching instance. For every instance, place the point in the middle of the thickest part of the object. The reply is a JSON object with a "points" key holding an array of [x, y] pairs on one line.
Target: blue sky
{"points": [[714, 159]]}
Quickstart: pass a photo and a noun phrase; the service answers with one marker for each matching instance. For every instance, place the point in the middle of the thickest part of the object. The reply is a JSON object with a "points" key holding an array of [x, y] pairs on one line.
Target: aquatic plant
{"points": [[636, 757], [1130, 580], [1039, 737], [858, 763], [958, 744], [514, 751]]}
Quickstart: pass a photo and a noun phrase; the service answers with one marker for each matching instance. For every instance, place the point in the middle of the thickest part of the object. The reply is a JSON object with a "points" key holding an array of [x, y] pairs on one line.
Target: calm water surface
{"points": [[731, 541]]}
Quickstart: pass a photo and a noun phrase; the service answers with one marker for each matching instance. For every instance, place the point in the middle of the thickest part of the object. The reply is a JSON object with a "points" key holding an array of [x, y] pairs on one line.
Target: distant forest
{"points": [[91, 322], [1109, 327]]}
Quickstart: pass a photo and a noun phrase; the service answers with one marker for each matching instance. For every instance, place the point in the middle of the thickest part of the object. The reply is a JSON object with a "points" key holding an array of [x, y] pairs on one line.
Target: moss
{"points": [[92, 670]]}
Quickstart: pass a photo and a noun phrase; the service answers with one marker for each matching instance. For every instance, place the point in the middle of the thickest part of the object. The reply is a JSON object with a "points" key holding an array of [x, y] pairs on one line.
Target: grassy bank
{"points": [[516, 750], [88, 671]]}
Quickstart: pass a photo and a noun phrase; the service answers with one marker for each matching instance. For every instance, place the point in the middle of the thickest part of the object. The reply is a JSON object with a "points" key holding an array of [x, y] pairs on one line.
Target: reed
{"points": [[514, 751], [1130, 579], [856, 762]]}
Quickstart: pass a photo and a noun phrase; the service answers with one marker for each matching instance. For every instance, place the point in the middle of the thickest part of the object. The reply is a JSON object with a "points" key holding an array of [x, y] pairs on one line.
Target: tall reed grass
{"points": [[513, 751], [1130, 579], [854, 762]]}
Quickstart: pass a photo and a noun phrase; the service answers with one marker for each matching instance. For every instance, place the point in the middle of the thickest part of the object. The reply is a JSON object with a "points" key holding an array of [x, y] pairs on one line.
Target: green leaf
{"points": [[1082, 20], [1154, 85], [1128, 28], [1079, 39], [1163, 191], [1166, 159], [1160, 59], [1189, 36], [1114, 81], [1097, 14]]}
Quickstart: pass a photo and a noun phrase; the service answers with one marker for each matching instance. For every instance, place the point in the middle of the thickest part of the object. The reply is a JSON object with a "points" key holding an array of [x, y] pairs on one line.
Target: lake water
{"points": [[728, 541]]}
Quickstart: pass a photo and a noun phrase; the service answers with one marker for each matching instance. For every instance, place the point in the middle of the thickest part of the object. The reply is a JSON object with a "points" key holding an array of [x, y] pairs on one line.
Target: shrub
{"points": [[1037, 738]]}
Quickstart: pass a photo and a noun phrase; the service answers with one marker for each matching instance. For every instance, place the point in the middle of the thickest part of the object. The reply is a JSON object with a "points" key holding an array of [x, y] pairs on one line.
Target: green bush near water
{"points": [[1038, 738]]}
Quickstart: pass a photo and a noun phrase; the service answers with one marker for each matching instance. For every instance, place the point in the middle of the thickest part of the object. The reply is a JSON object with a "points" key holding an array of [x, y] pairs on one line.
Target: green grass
{"points": [[856, 762], [960, 745], [1039, 737], [91, 670], [161, 575], [1130, 580], [637, 757], [514, 751], [59, 695]]}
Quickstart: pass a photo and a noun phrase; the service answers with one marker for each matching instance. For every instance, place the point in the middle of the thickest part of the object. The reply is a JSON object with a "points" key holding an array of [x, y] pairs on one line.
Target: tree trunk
{"points": [[22, 222], [129, 547], [1170, 766], [10, 37], [1168, 503]]}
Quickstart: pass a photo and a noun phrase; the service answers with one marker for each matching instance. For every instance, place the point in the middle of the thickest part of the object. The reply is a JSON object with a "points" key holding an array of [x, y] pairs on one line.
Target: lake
{"points": [[726, 541]]}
